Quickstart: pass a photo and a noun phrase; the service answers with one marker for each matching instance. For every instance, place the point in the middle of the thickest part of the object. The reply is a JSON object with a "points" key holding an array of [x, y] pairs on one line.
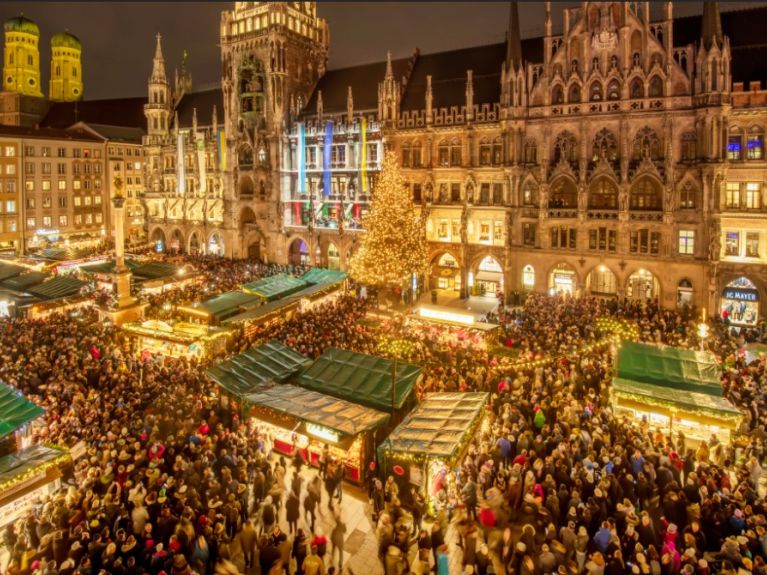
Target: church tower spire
{"points": [[158, 106], [712, 25], [513, 39], [158, 63]]}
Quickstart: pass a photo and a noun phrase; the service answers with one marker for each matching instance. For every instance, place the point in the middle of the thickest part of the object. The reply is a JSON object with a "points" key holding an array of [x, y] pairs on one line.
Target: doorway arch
{"points": [[177, 241], [158, 239], [216, 244], [298, 253], [563, 280], [488, 281], [334, 257], [446, 272], [642, 285], [601, 281], [194, 244]]}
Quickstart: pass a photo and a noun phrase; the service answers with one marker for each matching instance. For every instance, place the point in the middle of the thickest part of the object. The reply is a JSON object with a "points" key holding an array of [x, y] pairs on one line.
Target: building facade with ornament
{"points": [[621, 155]]}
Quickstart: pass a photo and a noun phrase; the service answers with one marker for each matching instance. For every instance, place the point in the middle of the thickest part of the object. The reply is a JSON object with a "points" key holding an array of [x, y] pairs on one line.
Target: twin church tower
{"points": [[21, 62]]}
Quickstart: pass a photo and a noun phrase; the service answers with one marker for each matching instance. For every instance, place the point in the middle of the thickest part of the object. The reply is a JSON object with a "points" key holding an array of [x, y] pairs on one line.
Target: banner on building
{"points": [[202, 164], [301, 158], [327, 154]]}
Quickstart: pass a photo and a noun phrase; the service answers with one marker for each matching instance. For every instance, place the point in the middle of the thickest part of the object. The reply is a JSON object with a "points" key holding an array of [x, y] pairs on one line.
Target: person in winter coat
{"points": [[313, 564], [292, 510], [337, 539], [299, 550], [248, 540]]}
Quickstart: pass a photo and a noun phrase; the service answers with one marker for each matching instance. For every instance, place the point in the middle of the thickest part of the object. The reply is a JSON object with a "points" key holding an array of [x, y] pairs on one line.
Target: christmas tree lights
{"points": [[394, 247]]}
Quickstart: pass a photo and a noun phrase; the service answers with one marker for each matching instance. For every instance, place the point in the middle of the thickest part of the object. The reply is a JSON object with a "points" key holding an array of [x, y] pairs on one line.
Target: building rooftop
{"points": [[46, 133]]}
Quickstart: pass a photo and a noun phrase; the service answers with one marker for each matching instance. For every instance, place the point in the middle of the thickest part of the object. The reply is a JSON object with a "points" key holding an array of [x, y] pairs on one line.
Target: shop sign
{"points": [[19, 506], [740, 294], [322, 432]]}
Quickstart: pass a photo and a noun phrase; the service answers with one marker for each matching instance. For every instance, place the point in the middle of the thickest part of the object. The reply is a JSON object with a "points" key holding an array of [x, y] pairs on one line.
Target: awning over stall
{"points": [[274, 287], [364, 379], [10, 271], [670, 367], [438, 427], [37, 458], [15, 410], [674, 399], [58, 287], [155, 270], [323, 276], [24, 281], [271, 362], [222, 306], [338, 415]]}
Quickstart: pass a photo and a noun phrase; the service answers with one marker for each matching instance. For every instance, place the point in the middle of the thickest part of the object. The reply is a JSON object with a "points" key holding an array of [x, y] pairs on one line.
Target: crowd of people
{"points": [[172, 481]]}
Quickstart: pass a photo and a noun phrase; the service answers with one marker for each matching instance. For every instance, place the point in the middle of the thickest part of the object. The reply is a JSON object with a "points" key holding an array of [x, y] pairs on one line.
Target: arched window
{"points": [[485, 152], [497, 152], [613, 62], [656, 87], [528, 278], [455, 153], [564, 194], [689, 146], [603, 195], [531, 152], [687, 197], [565, 148], [613, 90], [557, 95], [646, 195], [595, 92], [636, 89], [416, 154], [605, 146], [443, 152], [574, 96], [646, 145], [755, 144], [529, 196], [406, 155]]}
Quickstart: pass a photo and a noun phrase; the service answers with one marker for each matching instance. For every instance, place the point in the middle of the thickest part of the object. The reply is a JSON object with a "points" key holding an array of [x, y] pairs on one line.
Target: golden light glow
{"points": [[428, 312], [322, 432]]}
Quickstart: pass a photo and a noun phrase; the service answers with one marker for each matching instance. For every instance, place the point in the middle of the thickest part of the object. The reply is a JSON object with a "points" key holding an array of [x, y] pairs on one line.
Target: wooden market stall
{"points": [[216, 309], [425, 449], [302, 419], [673, 389], [455, 325], [27, 472], [274, 287], [179, 339]]}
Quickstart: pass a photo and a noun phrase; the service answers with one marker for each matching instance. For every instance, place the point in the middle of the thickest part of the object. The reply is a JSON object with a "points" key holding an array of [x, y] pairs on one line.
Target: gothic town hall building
{"points": [[621, 155]]}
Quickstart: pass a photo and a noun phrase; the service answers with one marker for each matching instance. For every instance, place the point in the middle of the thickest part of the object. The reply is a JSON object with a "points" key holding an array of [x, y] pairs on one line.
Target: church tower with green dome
{"points": [[66, 83], [21, 62]]}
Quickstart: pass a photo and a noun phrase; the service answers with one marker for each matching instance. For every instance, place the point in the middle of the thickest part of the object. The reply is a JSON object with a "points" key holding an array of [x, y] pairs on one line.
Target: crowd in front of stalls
{"points": [[173, 482]]}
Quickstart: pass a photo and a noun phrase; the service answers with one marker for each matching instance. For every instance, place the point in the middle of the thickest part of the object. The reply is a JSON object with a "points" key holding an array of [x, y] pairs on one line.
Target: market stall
{"points": [[673, 389], [274, 287], [324, 276], [424, 450], [268, 363], [363, 379], [263, 316], [452, 325], [302, 419], [177, 340], [217, 309]]}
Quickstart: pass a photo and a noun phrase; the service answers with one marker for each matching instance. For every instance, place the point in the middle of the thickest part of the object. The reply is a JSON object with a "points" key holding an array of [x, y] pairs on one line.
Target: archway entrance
{"points": [[194, 244], [446, 274], [489, 279], [563, 280], [684, 294], [740, 302], [158, 239], [254, 250], [334, 257], [602, 282], [177, 242], [642, 285], [298, 253], [528, 278], [216, 245]]}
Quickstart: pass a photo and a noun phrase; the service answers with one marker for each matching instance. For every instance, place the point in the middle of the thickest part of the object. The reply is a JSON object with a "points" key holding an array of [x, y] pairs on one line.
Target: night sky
{"points": [[118, 38]]}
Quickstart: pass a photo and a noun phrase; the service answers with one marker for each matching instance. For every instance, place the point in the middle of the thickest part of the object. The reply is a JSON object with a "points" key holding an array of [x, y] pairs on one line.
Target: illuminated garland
{"points": [[36, 470]]}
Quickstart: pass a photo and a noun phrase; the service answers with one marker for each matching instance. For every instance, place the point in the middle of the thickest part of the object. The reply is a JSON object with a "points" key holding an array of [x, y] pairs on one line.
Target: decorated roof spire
{"points": [[158, 63], [513, 39], [712, 25]]}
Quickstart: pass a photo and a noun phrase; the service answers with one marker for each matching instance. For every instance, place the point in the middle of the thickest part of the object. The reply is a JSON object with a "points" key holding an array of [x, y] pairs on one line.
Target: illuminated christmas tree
{"points": [[394, 247]]}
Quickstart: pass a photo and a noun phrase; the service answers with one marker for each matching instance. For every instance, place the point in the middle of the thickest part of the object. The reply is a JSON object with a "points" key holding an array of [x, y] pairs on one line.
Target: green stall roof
{"points": [[275, 286], [58, 287], [324, 276], [15, 410], [225, 304], [107, 267], [24, 281], [676, 398], [343, 417], [364, 379], [672, 367], [10, 271], [437, 427], [155, 270], [271, 361], [258, 312]]}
